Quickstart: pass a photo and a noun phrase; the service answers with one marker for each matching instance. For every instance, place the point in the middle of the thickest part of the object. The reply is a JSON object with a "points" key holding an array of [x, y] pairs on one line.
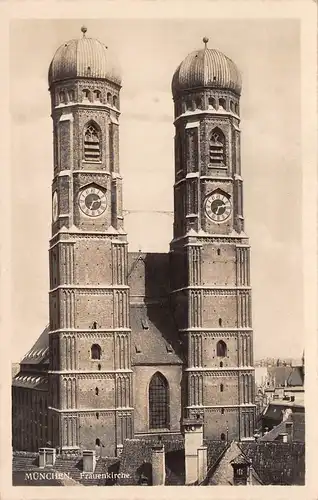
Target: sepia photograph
{"points": [[158, 322]]}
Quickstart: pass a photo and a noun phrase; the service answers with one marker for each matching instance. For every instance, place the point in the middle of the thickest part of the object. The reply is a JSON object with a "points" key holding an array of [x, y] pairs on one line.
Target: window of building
{"points": [[222, 436], [97, 442], [96, 391], [97, 94], [109, 98], [220, 321], [97, 415], [222, 411], [221, 364], [222, 104], [71, 95], [86, 94], [91, 143], [62, 97], [212, 103], [221, 387], [198, 103], [115, 102], [221, 349], [217, 148], [96, 351], [158, 402]]}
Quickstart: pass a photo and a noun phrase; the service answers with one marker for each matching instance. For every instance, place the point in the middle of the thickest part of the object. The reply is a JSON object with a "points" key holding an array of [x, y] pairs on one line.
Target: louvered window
{"points": [[217, 148], [92, 143]]}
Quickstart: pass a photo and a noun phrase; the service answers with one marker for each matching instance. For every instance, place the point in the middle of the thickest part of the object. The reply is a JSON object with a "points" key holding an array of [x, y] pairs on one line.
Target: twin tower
{"points": [[140, 342]]}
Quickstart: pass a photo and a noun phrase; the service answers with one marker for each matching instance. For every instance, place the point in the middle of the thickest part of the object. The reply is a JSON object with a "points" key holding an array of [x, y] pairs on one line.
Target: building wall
{"points": [[141, 379]]}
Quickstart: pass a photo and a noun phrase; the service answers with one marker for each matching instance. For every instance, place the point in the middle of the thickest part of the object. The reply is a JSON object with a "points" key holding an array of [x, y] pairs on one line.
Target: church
{"points": [[140, 345]]}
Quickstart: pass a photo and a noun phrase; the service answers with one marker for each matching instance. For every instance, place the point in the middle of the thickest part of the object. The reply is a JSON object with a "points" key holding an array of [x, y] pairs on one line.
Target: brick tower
{"points": [[89, 368], [210, 252]]}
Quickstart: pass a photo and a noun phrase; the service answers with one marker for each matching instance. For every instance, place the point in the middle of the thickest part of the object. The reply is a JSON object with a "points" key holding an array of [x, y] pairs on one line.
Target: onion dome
{"points": [[206, 68], [83, 58]]}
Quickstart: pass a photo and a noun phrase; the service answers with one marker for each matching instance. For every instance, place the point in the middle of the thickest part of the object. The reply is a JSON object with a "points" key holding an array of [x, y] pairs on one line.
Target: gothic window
{"points": [[221, 349], [96, 351], [158, 402], [222, 436], [217, 148], [115, 101], [91, 143]]}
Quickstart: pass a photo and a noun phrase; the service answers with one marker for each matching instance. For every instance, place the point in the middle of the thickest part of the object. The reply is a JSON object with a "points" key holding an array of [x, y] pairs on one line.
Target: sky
{"points": [[267, 53]]}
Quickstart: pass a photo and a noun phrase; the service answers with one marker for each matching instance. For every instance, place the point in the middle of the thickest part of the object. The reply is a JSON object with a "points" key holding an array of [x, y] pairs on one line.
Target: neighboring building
{"points": [[189, 460], [139, 342]]}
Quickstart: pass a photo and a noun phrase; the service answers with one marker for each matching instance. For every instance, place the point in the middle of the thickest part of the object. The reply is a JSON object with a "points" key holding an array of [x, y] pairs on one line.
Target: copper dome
{"points": [[206, 68], [83, 57]]}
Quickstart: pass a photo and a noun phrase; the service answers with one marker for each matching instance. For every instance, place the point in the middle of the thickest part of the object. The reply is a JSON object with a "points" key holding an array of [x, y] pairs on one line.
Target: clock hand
{"points": [[92, 204]]}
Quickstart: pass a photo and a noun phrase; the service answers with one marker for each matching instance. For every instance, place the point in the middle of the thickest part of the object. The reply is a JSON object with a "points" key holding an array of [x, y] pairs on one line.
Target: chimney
{"points": [[89, 460], [47, 457], [202, 463], [193, 441], [158, 464], [289, 426]]}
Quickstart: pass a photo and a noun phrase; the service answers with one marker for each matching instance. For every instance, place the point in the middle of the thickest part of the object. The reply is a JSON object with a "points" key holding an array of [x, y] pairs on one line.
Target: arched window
{"points": [[91, 143], [158, 402], [232, 106], [221, 364], [221, 349], [115, 102], [97, 94], [217, 148], [221, 387], [222, 104], [97, 442], [62, 97], [198, 103], [99, 366], [86, 94], [236, 109], [222, 411], [109, 98], [220, 321], [71, 95], [96, 351], [96, 391], [212, 103], [222, 436]]}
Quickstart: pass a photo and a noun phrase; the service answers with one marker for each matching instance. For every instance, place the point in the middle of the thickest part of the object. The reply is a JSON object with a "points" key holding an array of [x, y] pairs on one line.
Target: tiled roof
{"points": [[31, 381], [277, 463], [40, 350], [298, 420], [148, 275], [296, 378], [279, 374], [28, 462], [136, 460], [154, 335]]}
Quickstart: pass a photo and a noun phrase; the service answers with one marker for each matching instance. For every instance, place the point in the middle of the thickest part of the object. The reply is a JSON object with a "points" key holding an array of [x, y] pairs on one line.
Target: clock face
{"points": [[218, 207], [92, 202], [54, 207]]}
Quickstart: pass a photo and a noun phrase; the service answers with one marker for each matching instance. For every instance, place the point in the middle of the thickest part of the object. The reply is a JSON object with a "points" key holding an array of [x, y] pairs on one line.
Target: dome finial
{"points": [[83, 30], [205, 41]]}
